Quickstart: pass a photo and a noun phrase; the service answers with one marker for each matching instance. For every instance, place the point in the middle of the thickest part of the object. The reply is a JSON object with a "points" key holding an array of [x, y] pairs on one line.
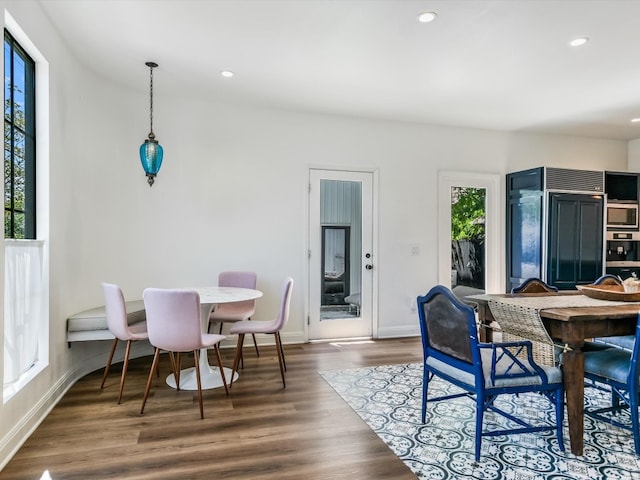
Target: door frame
{"points": [[374, 244], [494, 259]]}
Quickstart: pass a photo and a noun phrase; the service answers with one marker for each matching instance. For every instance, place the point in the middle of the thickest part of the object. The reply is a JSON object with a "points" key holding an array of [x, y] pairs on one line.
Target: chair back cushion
{"points": [[237, 279], [608, 279], [617, 364], [116, 311], [285, 303], [446, 324], [173, 319], [534, 285]]}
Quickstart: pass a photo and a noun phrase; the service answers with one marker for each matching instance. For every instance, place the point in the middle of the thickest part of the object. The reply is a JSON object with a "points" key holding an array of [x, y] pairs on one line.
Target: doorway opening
{"points": [[462, 226], [468, 259]]}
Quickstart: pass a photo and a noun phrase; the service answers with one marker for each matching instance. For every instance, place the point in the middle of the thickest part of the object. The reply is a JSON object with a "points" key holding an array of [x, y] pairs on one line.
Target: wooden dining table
{"points": [[571, 325]]}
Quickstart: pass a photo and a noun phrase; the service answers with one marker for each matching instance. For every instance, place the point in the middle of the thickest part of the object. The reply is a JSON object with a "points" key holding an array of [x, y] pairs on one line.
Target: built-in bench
{"points": [[92, 324]]}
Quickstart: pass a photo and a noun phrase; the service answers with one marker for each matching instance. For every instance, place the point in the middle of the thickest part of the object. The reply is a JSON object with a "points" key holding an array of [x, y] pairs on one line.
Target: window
{"points": [[26, 289], [19, 142]]}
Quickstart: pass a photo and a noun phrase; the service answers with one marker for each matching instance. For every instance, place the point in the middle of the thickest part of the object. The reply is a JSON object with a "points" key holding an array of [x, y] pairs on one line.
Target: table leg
{"points": [[573, 370], [209, 375], [485, 317]]}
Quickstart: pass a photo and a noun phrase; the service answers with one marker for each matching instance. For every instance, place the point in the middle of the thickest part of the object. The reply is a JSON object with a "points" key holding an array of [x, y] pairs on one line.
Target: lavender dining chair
{"points": [[121, 330], [173, 323], [235, 311], [271, 327]]}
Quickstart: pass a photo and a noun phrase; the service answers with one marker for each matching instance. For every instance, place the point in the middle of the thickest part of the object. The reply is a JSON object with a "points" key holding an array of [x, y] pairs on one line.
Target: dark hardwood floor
{"points": [[260, 431]]}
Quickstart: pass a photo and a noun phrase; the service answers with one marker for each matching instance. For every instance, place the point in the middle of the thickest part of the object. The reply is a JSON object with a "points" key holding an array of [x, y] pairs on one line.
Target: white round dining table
{"points": [[210, 375]]}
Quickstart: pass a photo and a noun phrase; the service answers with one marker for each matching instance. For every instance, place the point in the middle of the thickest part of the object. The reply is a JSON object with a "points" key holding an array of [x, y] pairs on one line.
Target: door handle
{"points": [[368, 266]]}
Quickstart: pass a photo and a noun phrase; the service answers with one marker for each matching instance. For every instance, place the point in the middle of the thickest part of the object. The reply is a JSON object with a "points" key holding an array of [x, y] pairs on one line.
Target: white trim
{"points": [[494, 231]]}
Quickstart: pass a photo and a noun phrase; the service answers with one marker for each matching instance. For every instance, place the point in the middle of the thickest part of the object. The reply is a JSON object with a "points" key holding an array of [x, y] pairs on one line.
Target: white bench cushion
{"points": [[92, 324]]}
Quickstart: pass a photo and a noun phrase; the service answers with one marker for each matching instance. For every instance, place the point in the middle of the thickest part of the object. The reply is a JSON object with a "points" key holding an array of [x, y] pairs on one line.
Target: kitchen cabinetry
{"points": [[555, 228], [623, 238], [575, 239], [621, 187]]}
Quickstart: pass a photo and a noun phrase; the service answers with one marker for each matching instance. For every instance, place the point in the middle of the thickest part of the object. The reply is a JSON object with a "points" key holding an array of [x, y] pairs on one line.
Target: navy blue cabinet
{"points": [[575, 239], [524, 226], [553, 235]]}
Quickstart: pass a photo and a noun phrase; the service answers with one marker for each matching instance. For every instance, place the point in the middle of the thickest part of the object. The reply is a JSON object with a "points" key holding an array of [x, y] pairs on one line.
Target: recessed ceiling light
{"points": [[427, 17], [635, 120], [577, 42], [226, 73]]}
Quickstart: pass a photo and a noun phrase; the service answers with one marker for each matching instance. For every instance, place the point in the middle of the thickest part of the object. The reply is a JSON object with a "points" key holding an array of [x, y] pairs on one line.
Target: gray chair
{"points": [[173, 323], [121, 330], [235, 311], [271, 327]]}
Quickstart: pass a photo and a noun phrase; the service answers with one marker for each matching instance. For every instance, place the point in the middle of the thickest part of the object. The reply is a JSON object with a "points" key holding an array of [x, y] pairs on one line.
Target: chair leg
{"points": [[220, 329], [108, 365], [284, 363], [559, 398], [280, 358], [125, 364], [635, 422], [176, 372], [172, 361], [255, 344], [224, 379], [479, 419], [425, 389], [195, 358], [236, 360], [154, 365]]}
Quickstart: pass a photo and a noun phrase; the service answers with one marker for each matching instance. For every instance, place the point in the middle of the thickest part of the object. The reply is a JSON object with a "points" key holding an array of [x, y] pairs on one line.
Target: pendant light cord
{"points": [[151, 98]]}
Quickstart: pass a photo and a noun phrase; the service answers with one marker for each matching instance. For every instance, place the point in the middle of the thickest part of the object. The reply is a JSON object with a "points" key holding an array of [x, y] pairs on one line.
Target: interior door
{"points": [[341, 258]]}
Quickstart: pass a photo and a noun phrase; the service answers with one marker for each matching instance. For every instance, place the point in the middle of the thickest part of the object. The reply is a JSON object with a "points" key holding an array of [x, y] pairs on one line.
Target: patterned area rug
{"points": [[388, 399]]}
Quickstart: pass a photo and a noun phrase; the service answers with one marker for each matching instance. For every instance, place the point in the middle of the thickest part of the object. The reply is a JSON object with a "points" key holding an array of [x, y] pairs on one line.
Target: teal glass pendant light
{"points": [[151, 151]]}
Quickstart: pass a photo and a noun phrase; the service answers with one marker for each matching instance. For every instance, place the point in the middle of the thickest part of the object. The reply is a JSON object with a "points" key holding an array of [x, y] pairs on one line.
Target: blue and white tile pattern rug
{"points": [[388, 399]]}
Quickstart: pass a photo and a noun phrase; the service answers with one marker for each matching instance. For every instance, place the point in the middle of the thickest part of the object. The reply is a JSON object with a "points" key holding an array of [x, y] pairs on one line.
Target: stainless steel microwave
{"points": [[622, 215]]}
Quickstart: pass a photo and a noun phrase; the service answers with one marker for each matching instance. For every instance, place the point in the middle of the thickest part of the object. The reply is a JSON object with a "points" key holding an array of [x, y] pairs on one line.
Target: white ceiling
{"points": [[501, 64]]}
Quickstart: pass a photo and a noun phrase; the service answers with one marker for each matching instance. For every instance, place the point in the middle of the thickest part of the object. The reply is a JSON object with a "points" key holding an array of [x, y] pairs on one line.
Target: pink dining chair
{"points": [[121, 330], [235, 311], [272, 327], [173, 323]]}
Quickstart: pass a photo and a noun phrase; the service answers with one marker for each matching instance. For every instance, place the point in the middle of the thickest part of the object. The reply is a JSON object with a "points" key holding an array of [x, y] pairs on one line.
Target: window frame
{"points": [[12, 225]]}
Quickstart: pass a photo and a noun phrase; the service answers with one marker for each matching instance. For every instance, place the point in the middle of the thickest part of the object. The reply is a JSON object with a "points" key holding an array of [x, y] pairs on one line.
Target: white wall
{"points": [[231, 195]]}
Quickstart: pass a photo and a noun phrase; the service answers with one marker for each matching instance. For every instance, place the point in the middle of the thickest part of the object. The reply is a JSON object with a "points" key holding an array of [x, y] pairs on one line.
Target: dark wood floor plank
{"points": [[259, 432]]}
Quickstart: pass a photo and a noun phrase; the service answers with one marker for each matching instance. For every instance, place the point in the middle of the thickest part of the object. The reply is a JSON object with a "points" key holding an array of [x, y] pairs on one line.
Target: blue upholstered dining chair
{"points": [[484, 371], [618, 369], [625, 342], [534, 285]]}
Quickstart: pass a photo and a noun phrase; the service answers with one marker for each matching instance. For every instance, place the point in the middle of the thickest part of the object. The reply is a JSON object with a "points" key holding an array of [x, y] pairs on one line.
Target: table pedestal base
{"points": [[210, 378]]}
